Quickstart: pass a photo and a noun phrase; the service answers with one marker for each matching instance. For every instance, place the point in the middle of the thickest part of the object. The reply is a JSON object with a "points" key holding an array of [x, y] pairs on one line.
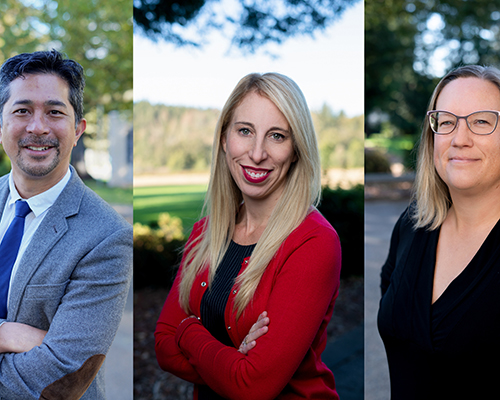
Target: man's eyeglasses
{"points": [[479, 122]]}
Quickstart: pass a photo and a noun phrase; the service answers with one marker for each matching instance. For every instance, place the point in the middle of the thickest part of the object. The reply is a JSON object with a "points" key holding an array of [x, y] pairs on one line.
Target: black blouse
{"points": [[449, 349], [213, 302]]}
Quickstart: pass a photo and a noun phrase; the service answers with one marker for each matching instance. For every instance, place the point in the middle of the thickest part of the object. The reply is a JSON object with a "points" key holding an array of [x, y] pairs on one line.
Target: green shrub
{"points": [[4, 163], [344, 209], [375, 161], [157, 252]]}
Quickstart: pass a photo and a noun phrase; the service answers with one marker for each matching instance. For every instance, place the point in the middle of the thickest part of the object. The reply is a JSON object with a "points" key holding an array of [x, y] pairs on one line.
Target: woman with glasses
{"points": [[439, 315]]}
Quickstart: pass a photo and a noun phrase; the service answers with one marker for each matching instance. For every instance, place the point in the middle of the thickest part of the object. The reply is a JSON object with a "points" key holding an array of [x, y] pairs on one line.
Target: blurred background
{"points": [[188, 56], [410, 45], [98, 35]]}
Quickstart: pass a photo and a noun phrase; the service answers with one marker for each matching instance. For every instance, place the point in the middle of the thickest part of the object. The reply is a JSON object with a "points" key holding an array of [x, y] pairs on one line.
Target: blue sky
{"points": [[329, 68]]}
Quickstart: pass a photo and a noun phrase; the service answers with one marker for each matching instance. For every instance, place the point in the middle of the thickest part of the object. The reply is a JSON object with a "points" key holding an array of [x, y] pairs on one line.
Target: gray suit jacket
{"points": [[72, 281]]}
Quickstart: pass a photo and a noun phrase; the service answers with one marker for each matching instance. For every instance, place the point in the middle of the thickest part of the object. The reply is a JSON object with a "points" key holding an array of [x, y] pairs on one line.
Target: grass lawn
{"points": [[183, 201], [111, 195]]}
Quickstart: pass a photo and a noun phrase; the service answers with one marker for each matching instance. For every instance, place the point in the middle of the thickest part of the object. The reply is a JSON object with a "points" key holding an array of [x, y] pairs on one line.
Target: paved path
{"points": [[380, 217], [344, 357], [119, 360]]}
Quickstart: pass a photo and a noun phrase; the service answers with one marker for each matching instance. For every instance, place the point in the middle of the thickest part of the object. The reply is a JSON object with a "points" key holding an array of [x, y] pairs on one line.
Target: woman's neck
{"points": [[252, 220], [474, 212]]}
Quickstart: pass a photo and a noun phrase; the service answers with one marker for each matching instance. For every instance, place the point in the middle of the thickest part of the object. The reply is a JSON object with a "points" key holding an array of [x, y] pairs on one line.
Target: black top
{"points": [[214, 301], [449, 349]]}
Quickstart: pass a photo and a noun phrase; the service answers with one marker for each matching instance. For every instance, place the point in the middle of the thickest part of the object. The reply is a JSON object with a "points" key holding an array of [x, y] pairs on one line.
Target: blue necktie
{"points": [[8, 251]]}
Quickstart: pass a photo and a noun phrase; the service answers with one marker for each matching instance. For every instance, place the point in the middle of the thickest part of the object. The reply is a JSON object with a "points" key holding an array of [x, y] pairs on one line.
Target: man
{"points": [[65, 291]]}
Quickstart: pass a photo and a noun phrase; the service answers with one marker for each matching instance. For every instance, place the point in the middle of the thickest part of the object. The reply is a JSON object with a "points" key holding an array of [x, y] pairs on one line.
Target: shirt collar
{"points": [[41, 202]]}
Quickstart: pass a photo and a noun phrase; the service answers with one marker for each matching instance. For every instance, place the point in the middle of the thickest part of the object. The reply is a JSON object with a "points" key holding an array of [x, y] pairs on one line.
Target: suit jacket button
{"points": [[229, 328], [203, 284], [234, 291]]}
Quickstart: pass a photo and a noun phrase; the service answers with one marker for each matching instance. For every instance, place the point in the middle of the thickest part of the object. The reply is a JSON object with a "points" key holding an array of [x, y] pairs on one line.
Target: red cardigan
{"points": [[298, 290]]}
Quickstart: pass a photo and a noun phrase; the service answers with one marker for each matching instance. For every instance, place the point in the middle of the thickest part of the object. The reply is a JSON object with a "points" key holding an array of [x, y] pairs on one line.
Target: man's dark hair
{"points": [[44, 62]]}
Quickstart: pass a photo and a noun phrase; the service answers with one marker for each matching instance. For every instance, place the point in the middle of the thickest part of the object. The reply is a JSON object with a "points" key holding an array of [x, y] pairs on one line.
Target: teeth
{"points": [[37, 148], [255, 175]]}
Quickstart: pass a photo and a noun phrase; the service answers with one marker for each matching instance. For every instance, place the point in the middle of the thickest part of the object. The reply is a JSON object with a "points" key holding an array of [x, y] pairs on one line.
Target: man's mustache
{"points": [[38, 142]]}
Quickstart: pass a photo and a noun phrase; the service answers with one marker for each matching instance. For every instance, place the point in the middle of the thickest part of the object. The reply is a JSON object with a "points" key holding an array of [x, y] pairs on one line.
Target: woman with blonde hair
{"points": [[439, 314], [247, 314]]}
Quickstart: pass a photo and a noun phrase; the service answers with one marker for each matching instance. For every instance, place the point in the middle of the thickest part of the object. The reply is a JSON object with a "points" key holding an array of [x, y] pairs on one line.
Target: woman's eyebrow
{"points": [[273, 128], [244, 123]]}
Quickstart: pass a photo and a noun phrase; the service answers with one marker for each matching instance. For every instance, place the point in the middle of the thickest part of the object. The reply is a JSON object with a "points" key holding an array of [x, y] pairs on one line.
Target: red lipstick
{"points": [[255, 175]]}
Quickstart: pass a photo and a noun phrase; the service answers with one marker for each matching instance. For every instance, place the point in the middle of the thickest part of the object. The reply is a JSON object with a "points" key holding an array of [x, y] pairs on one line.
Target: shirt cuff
{"points": [[183, 326]]}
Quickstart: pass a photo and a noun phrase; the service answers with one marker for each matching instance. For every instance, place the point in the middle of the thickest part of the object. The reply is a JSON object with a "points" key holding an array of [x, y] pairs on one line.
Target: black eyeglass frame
{"points": [[462, 117]]}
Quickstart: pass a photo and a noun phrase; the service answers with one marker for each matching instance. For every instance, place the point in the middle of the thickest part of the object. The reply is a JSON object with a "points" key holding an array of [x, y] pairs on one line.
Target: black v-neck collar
{"points": [[464, 283]]}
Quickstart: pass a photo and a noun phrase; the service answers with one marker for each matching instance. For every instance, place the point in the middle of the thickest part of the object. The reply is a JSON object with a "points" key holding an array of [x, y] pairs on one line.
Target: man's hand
{"points": [[19, 338]]}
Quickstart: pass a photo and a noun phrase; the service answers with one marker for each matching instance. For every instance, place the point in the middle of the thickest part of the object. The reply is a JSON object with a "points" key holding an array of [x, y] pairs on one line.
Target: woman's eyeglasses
{"points": [[479, 122]]}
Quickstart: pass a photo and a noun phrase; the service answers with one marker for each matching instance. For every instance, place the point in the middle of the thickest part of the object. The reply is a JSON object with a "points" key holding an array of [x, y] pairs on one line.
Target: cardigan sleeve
{"points": [[169, 356], [304, 290]]}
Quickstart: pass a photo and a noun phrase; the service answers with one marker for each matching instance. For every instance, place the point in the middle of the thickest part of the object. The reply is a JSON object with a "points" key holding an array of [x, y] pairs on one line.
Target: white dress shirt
{"points": [[39, 205]]}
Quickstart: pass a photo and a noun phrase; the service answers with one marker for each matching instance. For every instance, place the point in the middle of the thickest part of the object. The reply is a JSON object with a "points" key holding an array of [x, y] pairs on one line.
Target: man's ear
{"points": [[80, 129]]}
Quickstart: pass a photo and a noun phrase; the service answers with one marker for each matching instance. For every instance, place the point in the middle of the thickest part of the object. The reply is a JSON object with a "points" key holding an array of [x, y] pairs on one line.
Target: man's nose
{"points": [[38, 124]]}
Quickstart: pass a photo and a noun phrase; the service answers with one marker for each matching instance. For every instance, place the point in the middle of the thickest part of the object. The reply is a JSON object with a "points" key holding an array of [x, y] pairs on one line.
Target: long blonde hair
{"points": [[431, 195], [302, 190]]}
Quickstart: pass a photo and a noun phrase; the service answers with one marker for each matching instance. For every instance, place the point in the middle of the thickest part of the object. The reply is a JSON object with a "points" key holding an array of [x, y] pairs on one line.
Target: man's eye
{"points": [[21, 111]]}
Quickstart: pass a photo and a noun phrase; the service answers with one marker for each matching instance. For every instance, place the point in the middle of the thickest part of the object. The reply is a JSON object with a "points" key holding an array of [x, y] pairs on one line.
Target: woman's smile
{"points": [[464, 160], [259, 148], [255, 175]]}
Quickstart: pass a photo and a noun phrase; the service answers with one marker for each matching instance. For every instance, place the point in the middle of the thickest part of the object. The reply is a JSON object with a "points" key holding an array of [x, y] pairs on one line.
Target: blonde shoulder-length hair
{"points": [[432, 198], [223, 198]]}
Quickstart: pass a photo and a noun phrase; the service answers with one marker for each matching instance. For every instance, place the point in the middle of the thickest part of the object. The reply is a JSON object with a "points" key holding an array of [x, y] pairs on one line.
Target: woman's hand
{"points": [[257, 330]]}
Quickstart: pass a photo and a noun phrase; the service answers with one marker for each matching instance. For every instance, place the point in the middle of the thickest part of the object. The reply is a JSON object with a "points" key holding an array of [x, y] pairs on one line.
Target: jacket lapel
{"points": [[4, 192]]}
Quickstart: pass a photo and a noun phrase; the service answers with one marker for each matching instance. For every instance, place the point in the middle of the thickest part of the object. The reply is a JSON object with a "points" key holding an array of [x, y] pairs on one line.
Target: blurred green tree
{"points": [[410, 44], [17, 33], [340, 139], [97, 34], [253, 23], [180, 138], [392, 86]]}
